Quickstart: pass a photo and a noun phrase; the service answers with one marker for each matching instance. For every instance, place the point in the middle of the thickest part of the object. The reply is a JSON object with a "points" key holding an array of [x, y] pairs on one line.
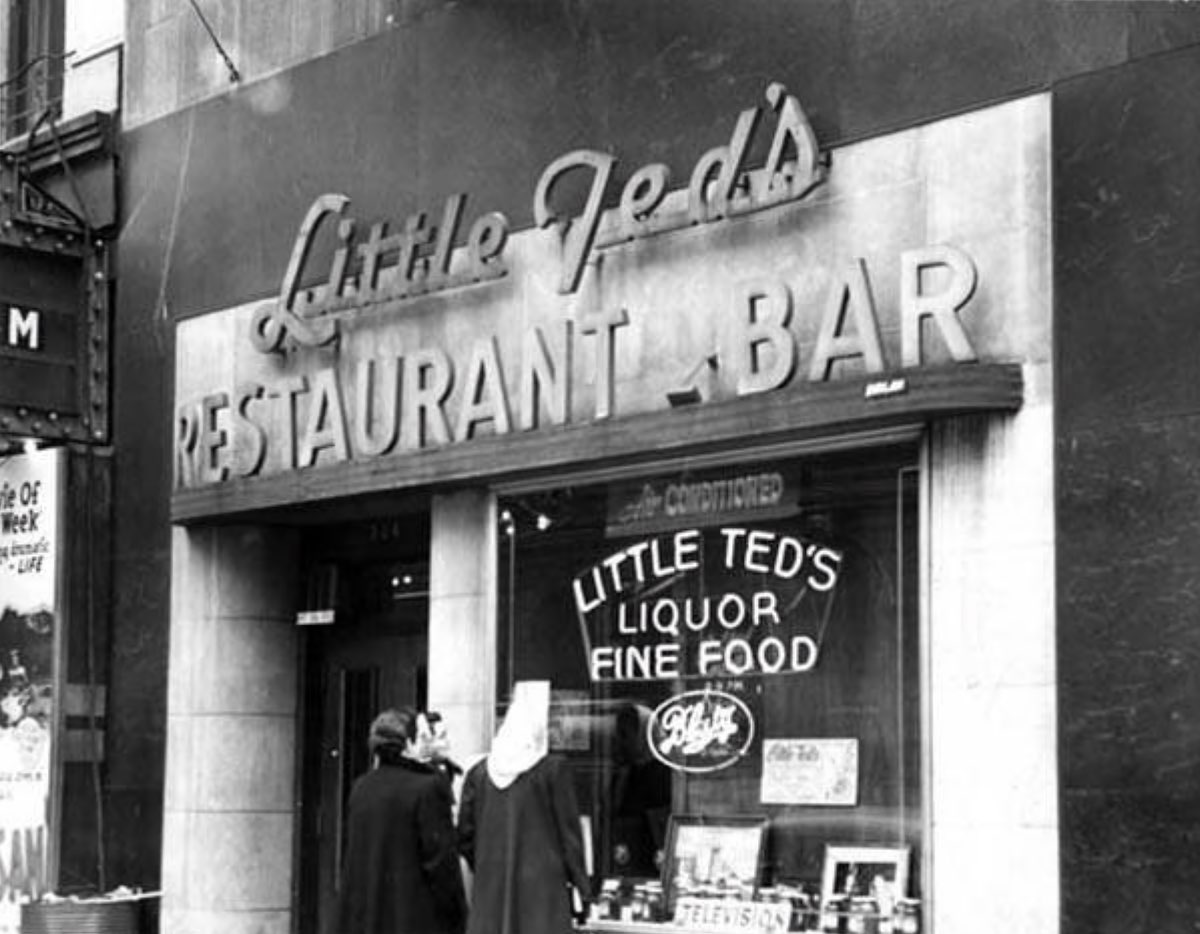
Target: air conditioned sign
{"points": [[654, 505]]}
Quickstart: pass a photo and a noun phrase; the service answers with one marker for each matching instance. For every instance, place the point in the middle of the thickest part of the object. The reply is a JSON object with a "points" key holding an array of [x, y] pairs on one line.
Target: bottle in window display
{"points": [[809, 911], [884, 894], [608, 903], [655, 905], [908, 916], [863, 917], [833, 914], [637, 904]]}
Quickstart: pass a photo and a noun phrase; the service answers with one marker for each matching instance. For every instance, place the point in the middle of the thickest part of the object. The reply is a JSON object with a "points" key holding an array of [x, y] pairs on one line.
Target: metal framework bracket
{"points": [[32, 218]]}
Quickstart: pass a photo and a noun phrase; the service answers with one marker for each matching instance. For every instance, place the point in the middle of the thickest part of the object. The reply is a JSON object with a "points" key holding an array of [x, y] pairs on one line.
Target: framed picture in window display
{"points": [[715, 856], [877, 872]]}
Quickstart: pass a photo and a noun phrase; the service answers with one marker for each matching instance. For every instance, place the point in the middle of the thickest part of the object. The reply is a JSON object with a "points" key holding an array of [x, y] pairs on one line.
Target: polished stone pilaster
{"points": [[462, 618], [991, 666], [231, 732], [991, 679]]}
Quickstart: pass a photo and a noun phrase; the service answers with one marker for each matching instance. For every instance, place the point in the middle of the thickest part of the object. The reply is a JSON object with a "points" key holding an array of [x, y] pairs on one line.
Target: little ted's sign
{"points": [[729, 629], [378, 360]]}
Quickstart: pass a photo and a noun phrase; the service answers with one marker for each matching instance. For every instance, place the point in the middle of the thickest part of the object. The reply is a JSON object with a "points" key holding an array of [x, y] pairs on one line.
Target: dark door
{"points": [[354, 669]]}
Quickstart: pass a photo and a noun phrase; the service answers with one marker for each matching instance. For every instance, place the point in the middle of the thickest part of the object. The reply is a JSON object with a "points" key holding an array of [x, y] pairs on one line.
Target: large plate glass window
{"points": [[738, 642]]}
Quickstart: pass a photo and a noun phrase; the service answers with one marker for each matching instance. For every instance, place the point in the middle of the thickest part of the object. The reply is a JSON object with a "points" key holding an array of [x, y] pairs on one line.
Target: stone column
{"points": [[462, 618], [229, 806], [992, 695]]}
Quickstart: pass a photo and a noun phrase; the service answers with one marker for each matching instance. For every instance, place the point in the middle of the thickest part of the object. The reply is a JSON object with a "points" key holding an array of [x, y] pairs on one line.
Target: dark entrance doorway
{"points": [[373, 655]]}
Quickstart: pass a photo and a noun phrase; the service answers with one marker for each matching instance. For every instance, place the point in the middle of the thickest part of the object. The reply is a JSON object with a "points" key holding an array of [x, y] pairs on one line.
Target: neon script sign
{"points": [[386, 267], [700, 731]]}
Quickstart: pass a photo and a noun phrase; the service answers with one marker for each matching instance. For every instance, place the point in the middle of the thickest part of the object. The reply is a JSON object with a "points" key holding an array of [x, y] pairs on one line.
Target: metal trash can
{"points": [[109, 916]]}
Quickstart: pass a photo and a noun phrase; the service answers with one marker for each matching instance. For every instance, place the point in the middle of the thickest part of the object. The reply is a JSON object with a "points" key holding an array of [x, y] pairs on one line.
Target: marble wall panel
{"points": [[229, 815], [214, 860], [990, 657], [184, 921], [462, 618], [1019, 863], [229, 762], [1127, 241]]}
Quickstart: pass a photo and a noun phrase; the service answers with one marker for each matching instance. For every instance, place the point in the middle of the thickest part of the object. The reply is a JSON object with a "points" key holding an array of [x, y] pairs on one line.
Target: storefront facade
{"points": [[57, 203], [772, 449]]}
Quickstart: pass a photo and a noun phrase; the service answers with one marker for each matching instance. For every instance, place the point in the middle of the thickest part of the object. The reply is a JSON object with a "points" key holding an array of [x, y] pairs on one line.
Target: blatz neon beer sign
{"points": [[700, 731], [420, 258]]}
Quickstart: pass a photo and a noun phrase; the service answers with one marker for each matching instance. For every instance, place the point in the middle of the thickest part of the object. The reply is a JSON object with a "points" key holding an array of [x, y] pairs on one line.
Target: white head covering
{"points": [[520, 743]]}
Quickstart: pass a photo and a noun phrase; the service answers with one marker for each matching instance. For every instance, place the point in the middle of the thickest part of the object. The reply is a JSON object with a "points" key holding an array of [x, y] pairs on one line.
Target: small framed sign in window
{"points": [[718, 855], [878, 871]]}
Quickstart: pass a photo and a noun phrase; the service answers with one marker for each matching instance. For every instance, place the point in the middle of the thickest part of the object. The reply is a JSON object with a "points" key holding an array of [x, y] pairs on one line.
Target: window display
{"points": [[734, 653]]}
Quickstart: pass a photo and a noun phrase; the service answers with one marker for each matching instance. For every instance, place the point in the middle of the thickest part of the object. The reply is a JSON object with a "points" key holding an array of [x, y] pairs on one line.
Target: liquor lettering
{"points": [[649, 636]]}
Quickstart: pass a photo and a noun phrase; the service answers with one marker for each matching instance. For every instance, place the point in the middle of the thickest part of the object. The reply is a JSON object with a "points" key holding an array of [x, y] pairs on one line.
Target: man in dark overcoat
{"points": [[519, 829], [400, 873]]}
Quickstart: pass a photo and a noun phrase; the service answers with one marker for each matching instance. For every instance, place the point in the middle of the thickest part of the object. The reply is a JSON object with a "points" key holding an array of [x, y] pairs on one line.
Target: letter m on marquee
{"points": [[24, 328]]}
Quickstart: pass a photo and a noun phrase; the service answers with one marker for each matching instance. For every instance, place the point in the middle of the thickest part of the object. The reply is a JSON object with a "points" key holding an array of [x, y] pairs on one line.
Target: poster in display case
{"points": [[721, 852]]}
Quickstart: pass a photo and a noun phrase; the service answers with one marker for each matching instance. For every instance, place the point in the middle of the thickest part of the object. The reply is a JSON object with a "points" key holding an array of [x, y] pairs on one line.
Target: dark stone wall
{"points": [[478, 96], [1127, 260], [481, 96]]}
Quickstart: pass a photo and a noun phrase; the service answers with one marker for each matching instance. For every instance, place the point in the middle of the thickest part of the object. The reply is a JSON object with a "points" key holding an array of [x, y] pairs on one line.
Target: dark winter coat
{"points": [[525, 844], [401, 872]]}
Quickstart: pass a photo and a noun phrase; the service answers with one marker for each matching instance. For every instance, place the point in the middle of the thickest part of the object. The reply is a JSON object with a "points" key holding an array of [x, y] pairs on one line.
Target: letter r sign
{"points": [[24, 329]]}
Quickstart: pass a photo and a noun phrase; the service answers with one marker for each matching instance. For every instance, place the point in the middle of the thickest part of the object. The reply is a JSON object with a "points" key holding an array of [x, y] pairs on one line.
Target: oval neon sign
{"points": [[700, 731]]}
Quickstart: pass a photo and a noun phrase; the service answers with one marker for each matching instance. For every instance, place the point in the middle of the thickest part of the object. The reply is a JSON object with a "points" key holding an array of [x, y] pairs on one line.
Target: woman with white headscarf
{"points": [[518, 828]]}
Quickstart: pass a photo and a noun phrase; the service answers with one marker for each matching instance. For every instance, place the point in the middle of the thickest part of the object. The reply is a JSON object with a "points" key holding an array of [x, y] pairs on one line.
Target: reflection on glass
{"points": [[693, 624]]}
